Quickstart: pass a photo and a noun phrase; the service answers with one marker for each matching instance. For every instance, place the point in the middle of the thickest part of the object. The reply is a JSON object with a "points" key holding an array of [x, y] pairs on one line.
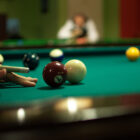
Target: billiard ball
{"points": [[54, 74], [56, 55], [1, 59], [76, 71], [132, 53], [31, 60]]}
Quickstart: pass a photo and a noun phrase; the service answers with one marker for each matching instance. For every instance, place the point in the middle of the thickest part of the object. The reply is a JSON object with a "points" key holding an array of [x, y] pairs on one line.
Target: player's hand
{"points": [[18, 79], [82, 40], [76, 32]]}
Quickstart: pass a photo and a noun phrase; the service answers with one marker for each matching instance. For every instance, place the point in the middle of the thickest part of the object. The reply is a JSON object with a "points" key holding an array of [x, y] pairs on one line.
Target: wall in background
{"points": [[33, 23], [3, 4], [111, 19], [63, 12]]}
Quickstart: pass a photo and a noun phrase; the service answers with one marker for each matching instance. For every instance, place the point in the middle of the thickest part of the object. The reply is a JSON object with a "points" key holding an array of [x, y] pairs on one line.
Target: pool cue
{"points": [[15, 69]]}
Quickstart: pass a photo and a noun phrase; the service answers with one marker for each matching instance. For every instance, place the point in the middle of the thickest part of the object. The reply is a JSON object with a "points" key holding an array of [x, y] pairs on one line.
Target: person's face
{"points": [[79, 21]]}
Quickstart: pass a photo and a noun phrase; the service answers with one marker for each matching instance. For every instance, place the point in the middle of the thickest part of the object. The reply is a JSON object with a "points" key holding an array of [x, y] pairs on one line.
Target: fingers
{"points": [[27, 83], [24, 81], [2, 74], [32, 79]]}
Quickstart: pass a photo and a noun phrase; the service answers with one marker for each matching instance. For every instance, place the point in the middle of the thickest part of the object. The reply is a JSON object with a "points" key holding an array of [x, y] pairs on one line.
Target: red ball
{"points": [[54, 74]]}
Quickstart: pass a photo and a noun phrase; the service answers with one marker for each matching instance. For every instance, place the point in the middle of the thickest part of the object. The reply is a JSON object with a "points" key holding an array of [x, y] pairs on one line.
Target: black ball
{"points": [[31, 60]]}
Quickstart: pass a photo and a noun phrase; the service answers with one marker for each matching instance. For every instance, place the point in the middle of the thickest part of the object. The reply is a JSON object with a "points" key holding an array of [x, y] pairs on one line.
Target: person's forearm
{"points": [[64, 35]]}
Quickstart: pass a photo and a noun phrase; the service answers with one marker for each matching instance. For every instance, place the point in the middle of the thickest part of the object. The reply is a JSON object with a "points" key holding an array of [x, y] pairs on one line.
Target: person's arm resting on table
{"points": [[65, 31], [92, 34]]}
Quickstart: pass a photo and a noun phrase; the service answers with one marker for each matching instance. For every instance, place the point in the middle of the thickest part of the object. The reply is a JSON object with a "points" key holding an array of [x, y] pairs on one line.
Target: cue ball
{"points": [[54, 74], [132, 53], [56, 55], [31, 60], [76, 71], [1, 59]]}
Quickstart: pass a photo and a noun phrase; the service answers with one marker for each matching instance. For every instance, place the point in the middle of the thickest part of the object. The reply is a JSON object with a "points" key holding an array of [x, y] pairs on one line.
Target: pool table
{"points": [[106, 104], [41, 43]]}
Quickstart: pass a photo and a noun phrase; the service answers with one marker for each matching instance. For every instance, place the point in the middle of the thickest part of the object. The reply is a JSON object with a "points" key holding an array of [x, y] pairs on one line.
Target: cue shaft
{"points": [[15, 69]]}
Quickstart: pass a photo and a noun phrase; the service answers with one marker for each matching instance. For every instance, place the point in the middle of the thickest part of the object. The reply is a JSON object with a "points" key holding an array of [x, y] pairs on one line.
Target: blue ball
{"points": [[56, 55]]}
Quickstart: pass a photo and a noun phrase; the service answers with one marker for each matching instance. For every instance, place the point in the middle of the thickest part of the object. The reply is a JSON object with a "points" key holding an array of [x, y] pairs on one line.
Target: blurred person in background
{"points": [[80, 28]]}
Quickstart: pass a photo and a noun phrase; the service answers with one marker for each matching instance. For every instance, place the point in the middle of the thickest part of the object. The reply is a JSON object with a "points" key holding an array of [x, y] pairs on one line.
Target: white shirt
{"points": [[92, 34]]}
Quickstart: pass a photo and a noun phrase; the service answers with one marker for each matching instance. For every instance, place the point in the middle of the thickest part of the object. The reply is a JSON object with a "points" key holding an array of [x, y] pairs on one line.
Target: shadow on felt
{"points": [[69, 84], [50, 88], [6, 85]]}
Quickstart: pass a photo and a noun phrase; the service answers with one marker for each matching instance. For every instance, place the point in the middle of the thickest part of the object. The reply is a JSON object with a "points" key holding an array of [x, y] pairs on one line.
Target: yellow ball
{"points": [[132, 53]]}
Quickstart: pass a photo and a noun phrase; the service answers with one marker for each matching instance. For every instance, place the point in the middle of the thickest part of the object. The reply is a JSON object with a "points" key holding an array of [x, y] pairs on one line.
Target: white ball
{"points": [[1, 59], [76, 71], [56, 53]]}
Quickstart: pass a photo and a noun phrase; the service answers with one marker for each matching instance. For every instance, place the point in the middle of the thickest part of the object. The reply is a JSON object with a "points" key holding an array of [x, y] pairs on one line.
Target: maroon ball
{"points": [[54, 74]]}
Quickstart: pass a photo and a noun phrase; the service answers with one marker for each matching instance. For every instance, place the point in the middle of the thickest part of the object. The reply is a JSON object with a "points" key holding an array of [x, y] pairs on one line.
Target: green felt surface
{"points": [[107, 75]]}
